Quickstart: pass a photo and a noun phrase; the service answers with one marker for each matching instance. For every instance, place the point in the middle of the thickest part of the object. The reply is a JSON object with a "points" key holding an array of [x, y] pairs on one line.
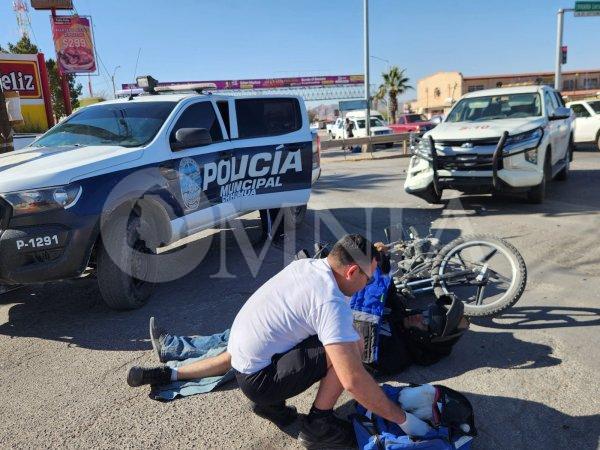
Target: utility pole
{"points": [[113, 81], [559, 38], [6, 131], [367, 90]]}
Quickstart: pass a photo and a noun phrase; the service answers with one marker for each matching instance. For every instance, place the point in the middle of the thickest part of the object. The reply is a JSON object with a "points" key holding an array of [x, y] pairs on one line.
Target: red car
{"points": [[412, 122]]}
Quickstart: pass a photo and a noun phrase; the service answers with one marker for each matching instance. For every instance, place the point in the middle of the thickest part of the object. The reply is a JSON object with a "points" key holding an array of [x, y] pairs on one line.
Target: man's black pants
{"points": [[289, 374]]}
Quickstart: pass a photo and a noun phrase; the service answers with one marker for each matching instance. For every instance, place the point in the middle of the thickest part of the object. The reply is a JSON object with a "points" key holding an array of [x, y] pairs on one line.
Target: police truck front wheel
{"points": [[127, 269]]}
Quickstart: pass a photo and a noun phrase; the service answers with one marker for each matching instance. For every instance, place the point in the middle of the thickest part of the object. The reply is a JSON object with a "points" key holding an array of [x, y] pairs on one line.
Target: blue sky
{"points": [[233, 39]]}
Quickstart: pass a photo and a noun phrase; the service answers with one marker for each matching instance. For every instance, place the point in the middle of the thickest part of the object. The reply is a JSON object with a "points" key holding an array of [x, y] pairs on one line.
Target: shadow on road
{"points": [[542, 317]]}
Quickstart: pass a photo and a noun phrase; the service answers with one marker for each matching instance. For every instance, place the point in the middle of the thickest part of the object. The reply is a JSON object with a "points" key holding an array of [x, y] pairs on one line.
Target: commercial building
{"points": [[436, 93]]}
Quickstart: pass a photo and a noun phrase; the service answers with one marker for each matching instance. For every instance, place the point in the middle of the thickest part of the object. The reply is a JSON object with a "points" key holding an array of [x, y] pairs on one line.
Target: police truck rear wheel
{"points": [[127, 269], [294, 216]]}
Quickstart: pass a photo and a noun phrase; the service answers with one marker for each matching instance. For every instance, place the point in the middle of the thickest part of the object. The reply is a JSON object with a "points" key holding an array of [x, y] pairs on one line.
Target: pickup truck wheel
{"points": [[537, 194], [598, 141], [293, 216], [430, 196], [126, 269]]}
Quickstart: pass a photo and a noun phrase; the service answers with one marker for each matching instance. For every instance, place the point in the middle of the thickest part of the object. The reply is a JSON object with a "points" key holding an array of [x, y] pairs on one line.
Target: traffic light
{"points": [[563, 54]]}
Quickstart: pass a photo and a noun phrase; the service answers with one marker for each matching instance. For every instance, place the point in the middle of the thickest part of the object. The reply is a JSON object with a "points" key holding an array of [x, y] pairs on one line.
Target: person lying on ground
{"points": [[295, 330]]}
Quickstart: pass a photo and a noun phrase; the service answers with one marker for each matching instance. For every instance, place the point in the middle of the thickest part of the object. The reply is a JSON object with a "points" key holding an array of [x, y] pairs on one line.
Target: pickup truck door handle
{"points": [[169, 173], [226, 155]]}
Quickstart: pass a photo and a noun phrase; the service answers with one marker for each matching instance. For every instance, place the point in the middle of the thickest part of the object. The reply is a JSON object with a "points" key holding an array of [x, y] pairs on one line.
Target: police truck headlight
{"points": [[529, 139], [532, 156], [41, 200]]}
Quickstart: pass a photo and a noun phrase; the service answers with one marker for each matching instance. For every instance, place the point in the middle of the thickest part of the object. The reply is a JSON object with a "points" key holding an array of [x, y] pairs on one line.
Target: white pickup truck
{"points": [[113, 183], [507, 139], [587, 121]]}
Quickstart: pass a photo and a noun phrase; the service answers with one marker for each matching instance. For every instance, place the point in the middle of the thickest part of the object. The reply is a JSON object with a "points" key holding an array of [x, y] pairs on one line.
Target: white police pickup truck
{"points": [[115, 181], [507, 139]]}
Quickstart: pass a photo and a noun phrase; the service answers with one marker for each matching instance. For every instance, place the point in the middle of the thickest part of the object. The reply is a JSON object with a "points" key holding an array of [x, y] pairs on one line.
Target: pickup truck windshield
{"points": [[412, 118], [123, 124], [508, 106]]}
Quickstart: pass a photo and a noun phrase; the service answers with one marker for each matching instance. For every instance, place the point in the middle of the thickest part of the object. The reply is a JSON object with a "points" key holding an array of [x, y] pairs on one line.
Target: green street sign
{"points": [[583, 9]]}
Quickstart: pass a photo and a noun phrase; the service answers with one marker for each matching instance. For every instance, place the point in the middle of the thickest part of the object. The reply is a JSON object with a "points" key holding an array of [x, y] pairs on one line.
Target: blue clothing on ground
{"points": [[183, 350]]}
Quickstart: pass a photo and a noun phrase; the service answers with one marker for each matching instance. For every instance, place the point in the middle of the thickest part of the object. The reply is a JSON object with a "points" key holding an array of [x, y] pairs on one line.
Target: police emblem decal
{"points": [[190, 182]]}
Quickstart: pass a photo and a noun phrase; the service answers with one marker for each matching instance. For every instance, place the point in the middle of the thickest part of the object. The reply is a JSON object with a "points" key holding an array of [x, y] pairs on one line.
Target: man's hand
{"points": [[380, 247], [413, 426]]}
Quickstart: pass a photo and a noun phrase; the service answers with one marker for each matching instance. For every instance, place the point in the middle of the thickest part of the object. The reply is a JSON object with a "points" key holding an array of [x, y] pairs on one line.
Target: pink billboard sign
{"points": [[274, 83], [74, 44]]}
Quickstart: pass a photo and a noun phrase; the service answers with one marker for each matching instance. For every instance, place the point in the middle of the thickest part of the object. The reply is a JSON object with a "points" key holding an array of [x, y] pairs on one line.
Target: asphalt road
{"points": [[532, 375]]}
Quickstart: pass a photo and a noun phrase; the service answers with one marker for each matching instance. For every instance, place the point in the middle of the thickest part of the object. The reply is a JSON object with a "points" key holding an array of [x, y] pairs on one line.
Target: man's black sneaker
{"points": [[326, 432], [156, 335], [280, 414], [138, 376]]}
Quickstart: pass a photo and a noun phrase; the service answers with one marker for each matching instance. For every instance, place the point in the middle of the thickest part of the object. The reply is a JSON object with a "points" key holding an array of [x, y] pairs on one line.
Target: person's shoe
{"points": [[280, 414], [138, 376], [326, 432], [156, 335]]}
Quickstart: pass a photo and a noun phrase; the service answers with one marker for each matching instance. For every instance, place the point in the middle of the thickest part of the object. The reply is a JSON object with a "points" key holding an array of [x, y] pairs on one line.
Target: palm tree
{"points": [[394, 84]]}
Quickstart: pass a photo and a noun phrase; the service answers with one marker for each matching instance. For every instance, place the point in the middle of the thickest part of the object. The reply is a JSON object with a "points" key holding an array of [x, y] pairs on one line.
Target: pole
{"points": [[367, 93], [112, 78], [90, 85], [559, 38], [64, 82]]}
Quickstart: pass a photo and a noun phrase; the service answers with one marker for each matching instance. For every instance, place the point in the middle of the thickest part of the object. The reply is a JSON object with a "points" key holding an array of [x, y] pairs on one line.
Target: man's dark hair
{"points": [[354, 249]]}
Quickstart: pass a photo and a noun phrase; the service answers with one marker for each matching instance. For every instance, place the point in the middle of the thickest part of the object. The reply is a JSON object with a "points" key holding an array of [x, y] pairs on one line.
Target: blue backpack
{"points": [[454, 426]]}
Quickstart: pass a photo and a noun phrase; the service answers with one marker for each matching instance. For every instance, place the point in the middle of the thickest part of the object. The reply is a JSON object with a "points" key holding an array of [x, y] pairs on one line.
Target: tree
{"points": [[25, 46], [56, 91], [394, 84]]}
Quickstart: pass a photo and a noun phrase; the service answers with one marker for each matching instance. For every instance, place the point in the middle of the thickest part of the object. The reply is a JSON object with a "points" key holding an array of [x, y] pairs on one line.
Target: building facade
{"points": [[437, 93]]}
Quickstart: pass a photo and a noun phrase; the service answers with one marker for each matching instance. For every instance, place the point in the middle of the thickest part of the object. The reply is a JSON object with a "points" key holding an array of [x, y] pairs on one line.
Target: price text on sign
{"points": [[74, 44]]}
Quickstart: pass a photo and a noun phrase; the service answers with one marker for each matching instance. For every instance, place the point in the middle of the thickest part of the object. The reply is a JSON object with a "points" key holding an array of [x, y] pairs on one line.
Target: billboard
{"points": [[274, 83], [24, 77], [52, 4], [74, 44]]}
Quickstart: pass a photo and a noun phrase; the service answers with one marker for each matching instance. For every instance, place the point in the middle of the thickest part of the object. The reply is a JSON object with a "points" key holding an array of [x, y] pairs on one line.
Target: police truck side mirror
{"points": [[190, 137], [560, 113]]}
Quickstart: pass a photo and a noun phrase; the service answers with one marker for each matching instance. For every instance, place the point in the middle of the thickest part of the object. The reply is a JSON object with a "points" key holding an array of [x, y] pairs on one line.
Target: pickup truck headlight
{"points": [[40, 200], [532, 156], [422, 148], [529, 139]]}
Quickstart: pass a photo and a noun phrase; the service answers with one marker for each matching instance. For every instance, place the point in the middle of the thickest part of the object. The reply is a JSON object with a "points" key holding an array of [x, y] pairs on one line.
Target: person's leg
{"points": [[330, 387], [208, 367], [322, 427]]}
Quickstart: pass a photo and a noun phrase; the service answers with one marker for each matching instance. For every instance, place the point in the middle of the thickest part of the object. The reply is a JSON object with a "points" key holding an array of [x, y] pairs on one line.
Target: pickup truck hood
{"points": [[485, 129], [38, 167]]}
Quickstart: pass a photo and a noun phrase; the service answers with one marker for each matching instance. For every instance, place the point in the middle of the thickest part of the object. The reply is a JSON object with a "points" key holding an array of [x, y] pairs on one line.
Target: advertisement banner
{"points": [[20, 76], [25, 83], [273, 83], [74, 44]]}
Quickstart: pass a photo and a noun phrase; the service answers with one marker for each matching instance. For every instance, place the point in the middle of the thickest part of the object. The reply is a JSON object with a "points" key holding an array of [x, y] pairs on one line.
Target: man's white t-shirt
{"points": [[300, 301]]}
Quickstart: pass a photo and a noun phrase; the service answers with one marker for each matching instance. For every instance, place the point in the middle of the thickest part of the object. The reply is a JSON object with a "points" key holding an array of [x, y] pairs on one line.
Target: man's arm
{"points": [[355, 379]]}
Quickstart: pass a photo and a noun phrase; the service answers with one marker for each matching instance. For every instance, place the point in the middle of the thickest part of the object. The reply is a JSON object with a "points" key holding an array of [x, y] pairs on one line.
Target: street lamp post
{"points": [[112, 78], [367, 90]]}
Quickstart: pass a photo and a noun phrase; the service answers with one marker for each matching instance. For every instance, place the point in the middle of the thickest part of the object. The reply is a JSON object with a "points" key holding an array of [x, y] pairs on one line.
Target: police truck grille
{"points": [[466, 162]]}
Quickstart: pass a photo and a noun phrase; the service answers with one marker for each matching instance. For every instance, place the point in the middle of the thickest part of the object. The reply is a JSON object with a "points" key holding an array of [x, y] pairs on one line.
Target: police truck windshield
{"points": [[507, 106], [122, 124]]}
